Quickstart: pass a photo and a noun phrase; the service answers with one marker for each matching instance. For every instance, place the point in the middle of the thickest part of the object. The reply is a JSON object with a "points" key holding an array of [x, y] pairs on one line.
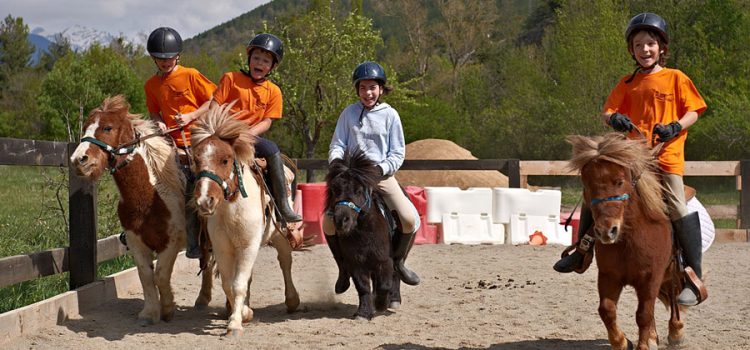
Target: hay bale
{"points": [[445, 149]]}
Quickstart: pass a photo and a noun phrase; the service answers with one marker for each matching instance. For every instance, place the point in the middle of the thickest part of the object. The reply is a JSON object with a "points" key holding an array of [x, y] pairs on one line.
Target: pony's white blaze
{"points": [[84, 146], [204, 183]]}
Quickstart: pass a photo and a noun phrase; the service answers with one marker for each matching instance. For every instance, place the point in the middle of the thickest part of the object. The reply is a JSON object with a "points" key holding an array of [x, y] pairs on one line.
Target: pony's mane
{"points": [[159, 153], [219, 122], [358, 166], [630, 154]]}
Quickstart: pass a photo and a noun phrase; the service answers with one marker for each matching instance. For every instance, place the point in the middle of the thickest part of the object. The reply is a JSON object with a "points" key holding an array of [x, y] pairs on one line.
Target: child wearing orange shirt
{"points": [[259, 102], [176, 96], [661, 104]]}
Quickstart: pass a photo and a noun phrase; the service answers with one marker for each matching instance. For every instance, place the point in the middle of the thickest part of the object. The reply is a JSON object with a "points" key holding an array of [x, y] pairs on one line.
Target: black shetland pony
{"points": [[364, 233]]}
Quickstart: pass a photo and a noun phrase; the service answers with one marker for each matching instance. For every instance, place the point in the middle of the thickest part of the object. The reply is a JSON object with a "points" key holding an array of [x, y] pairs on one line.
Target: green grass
{"points": [[34, 217]]}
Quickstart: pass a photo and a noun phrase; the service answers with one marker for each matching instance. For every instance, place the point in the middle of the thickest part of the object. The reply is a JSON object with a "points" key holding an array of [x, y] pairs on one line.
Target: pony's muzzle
{"points": [[83, 164], [344, 222], [610, 235]]}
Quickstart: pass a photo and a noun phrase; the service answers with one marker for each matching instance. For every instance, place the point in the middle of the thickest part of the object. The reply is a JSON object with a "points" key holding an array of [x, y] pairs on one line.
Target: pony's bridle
{"points": [[223, 184], [121, 150], [355, 207], [622, 197], [127, 148]]}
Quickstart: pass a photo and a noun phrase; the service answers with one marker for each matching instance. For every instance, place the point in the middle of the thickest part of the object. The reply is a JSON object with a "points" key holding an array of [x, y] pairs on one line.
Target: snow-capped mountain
{"points": [[80, 37]]}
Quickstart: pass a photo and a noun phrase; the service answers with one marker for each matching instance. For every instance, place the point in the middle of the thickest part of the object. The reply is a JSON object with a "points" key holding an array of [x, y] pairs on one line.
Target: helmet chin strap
{"points": [[632, 76]]}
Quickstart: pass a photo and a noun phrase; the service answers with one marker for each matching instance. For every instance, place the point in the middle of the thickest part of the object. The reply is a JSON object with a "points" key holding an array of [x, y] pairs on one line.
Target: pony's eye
{"points": [[107, 128], [225, 161]]}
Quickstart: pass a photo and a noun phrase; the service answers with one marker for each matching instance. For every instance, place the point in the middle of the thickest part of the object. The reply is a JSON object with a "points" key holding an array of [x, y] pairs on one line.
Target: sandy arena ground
{"points": [[471, 297]]}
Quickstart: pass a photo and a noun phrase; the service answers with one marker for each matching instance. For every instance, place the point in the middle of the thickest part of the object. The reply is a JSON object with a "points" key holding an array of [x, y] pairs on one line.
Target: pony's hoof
{"points": [[145, 322], [361, 318], [630, 345], [202, 303], [675, 340], [167, 316], [292, 304], [233, 333], [394, 305]]}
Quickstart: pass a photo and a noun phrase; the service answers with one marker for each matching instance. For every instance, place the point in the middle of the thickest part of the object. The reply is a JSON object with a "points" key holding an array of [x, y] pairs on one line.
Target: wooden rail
{"points": [[84, 251]]}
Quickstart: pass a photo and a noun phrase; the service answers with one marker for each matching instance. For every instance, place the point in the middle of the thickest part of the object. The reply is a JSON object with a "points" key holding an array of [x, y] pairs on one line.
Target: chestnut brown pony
{"points": [[230, 196], [633, 233], [151, 207]]}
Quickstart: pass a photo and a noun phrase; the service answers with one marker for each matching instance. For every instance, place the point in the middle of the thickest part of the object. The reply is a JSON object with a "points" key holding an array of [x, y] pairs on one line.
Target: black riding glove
{"points": [[667, 132], [620, 122]]}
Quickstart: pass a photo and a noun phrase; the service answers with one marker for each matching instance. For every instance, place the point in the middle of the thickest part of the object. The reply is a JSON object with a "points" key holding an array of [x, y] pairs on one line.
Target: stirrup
{"points": [[588, 257], [695, 283]]}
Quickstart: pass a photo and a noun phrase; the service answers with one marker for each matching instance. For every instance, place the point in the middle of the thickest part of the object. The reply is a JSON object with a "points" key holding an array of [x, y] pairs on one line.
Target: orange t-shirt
{"points": [[659, 98], [182, 91], [254, 101]]}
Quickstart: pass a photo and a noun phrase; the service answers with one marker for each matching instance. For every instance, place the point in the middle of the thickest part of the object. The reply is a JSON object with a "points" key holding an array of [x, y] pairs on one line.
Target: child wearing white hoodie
{"points": [[374, 127]]}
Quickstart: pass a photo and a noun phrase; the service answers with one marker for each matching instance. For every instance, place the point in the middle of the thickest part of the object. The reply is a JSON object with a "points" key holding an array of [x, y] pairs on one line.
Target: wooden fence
{"points": [[85, 252]]}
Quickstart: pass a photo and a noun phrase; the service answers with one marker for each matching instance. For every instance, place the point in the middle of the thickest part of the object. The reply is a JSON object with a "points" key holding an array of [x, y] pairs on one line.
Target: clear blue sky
{"points": [[132, 18]]}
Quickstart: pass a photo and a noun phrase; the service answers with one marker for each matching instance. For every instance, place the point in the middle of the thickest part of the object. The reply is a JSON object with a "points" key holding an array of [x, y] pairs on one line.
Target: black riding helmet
{"points": [[369, 70], [164, 42], [648, 20], [270, 43], [652, 23]]}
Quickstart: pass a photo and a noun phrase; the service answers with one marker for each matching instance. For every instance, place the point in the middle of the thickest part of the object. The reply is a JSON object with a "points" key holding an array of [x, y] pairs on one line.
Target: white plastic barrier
{"points": [[509, 201], [522, 226], [442, 200], [471, 229]]}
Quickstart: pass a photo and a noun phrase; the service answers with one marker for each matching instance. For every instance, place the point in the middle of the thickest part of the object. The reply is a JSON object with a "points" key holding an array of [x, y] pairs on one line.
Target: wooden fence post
{"points": [[513, 171], [82, 231], [745, 195]]}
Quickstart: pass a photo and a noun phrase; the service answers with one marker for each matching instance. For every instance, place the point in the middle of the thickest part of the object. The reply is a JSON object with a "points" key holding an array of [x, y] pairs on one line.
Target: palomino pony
{"points": [[228, 194], [634, 242], [151, 207], [357, 205]]}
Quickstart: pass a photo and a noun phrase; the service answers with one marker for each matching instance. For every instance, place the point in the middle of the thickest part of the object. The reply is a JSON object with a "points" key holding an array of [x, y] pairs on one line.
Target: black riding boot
{"points": [[688, 233], [584, 246], [275, 166], [342, 283], [402, 245], [192, 225]]}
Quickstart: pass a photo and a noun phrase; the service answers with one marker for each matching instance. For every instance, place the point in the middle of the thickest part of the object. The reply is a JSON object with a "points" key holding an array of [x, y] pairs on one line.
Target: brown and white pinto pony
{"points": [[228, 194], [151, 207], [633, 233]]}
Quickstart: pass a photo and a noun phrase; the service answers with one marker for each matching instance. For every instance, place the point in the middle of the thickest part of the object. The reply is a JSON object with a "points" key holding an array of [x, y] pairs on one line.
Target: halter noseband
{"points": [[223, 184], [120, 150]]}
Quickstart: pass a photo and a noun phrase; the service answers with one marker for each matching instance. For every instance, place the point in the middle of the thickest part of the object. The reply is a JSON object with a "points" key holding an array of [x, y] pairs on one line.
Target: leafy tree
{"points": [[19, 113], [79, 83], [15, 49], [464, 28], [59, 47], [321, 51]]}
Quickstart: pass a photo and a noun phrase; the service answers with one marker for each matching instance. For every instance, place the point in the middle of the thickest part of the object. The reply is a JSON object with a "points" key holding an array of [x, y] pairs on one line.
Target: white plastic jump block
{"points": [[471, 229], [442, 200], [509, 201], [522, 226]]}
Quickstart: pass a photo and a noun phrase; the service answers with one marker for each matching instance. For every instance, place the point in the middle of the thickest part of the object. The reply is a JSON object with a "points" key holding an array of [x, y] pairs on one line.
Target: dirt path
{"points": [[473, 297]]}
